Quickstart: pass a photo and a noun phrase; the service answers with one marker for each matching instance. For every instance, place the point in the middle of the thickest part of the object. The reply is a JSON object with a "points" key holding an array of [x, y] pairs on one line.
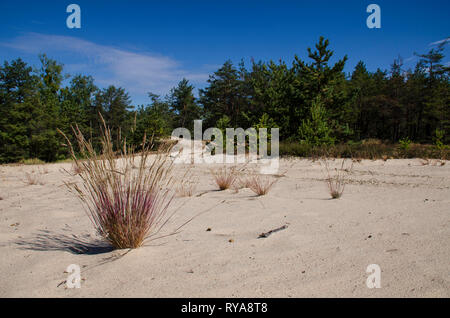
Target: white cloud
{"points": [[139, 73], [440, 41]]}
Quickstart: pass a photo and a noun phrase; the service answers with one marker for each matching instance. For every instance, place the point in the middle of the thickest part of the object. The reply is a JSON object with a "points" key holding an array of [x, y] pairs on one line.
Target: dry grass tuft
{"points": [[33, 178], [186, 187], [224, 177], [126, 206], [259, 184], [336, 181], [242, 183]]}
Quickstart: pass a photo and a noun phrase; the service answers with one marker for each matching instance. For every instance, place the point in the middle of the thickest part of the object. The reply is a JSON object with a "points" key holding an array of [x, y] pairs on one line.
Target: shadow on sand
{"points": [[47, 241]]}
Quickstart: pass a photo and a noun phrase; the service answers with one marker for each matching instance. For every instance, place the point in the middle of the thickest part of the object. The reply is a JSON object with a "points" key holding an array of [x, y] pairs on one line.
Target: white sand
{"points": [[395, 214]]}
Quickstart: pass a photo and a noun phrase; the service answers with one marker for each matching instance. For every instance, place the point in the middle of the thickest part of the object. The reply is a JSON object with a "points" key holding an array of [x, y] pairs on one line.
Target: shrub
{"points": [[439, 137], [126, 206], [404, 143]]}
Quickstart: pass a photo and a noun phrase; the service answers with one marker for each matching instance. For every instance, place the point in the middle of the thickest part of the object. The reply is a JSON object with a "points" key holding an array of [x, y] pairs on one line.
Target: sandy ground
{"points": [[395, 214]]}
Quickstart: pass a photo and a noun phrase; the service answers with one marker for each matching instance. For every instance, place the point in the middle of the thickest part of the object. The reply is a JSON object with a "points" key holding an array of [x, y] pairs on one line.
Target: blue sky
{"points": [[150, 45]]}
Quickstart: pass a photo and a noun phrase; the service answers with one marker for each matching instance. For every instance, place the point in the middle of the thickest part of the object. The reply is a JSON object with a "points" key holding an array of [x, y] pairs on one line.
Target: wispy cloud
{"points": [[440, 41], [410, 59], [138, 72]]}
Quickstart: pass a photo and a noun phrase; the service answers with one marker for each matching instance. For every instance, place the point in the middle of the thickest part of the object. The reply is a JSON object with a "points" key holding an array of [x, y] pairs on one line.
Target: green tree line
{"points": [[313, 102]]}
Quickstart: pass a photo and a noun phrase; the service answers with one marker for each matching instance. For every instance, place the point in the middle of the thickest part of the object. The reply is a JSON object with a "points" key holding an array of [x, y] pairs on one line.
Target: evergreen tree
{"points": [[18, 108], [183, 105], [315, 130], [114, 105], [46, 142], [77, 106], [320, 80], [153, 121], [223, 96]]}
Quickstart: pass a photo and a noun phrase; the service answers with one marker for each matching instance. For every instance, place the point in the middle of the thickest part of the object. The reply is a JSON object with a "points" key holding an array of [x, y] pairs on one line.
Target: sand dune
{"points": [[395, 214]]}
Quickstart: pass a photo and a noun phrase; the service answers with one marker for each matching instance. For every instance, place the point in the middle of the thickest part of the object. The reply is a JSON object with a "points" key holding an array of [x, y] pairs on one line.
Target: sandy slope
{"points": [[395, 214]]}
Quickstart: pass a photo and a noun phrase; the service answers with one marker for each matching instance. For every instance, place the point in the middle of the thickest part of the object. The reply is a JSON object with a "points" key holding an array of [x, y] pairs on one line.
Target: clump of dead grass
{"points": [[186, 186], [259, 184], [33, 178], [224, 177], [126, 206], [336, 178]]}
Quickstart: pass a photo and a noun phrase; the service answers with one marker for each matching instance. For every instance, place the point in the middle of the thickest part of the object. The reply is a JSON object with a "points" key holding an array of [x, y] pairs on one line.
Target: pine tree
{"points": [[183, 104], [18, 107], [46, 142], [223, 96], [114, 105], [320, 80], [315, 130]]}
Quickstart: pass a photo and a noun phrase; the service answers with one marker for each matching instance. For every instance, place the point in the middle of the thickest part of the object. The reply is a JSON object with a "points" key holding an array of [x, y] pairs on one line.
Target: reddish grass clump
{"points": [[259, 184], [224, 177], [126, 206]]}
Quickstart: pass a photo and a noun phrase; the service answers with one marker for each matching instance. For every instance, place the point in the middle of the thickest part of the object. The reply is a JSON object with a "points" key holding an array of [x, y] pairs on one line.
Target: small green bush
{"points": [[404, 143]]}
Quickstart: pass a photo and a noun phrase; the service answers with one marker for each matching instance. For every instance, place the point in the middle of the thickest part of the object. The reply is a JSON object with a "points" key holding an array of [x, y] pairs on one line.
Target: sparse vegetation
{"points": [[127, 206], [404, 144], [336, 181], [259, 184], [224, 177], [241, 183], [33, 178], [186, 187]]}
